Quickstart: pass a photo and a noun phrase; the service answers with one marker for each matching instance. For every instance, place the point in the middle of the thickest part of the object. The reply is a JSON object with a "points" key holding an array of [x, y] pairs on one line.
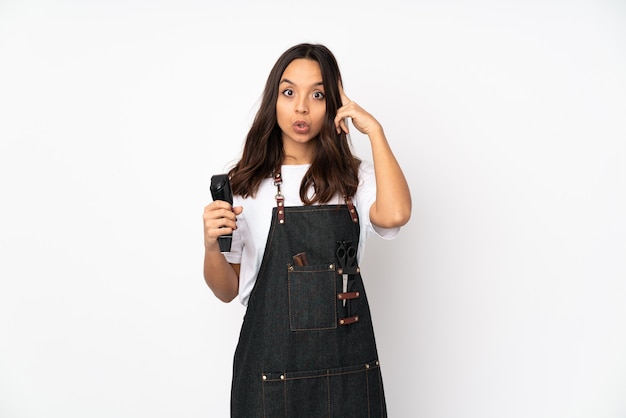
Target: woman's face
{"points": [[301, 103]]}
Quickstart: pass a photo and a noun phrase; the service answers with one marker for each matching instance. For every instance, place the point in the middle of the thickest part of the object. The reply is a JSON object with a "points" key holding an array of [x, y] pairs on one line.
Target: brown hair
{"points": [[334, 169]]}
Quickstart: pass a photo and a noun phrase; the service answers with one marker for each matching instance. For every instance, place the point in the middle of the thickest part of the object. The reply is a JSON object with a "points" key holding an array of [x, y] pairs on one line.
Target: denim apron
{"points": [[307, 347]]}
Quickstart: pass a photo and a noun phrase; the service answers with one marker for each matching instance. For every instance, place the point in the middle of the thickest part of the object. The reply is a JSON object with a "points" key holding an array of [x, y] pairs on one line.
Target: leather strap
{"points": [[349, 320], [352, 210], [348, 295]]}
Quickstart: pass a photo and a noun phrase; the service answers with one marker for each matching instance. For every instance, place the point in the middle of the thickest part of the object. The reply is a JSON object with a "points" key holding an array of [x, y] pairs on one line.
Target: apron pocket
{"points": [[312, 297], [354, 391]]}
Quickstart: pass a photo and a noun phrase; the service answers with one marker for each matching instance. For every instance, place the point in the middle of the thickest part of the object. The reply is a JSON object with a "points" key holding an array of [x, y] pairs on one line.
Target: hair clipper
{"points": [[220, 190]]}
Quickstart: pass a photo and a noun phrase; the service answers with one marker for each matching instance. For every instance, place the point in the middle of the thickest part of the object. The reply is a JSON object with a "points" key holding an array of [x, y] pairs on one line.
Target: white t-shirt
{"points": [[253, 224]]}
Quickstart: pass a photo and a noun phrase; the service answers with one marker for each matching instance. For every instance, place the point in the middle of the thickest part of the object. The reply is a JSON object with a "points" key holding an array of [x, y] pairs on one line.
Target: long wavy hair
{"points": [[334, 169]]}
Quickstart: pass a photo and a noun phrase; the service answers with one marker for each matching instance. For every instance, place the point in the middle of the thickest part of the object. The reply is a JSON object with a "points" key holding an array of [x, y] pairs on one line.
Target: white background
{"points": [[504, 297]]}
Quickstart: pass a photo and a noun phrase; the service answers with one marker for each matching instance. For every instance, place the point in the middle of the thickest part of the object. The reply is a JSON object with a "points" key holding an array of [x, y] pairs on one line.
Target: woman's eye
{"points": [[318, 95], [288, 92]]}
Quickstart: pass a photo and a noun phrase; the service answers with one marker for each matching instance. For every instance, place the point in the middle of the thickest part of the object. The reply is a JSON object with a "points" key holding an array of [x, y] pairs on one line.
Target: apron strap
{"points": [[280, 199], [353, 214]]}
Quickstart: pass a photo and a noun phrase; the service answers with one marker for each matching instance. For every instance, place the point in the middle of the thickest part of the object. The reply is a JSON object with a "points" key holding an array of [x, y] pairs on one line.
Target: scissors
{"points": [[346, 258], [346, 254]]}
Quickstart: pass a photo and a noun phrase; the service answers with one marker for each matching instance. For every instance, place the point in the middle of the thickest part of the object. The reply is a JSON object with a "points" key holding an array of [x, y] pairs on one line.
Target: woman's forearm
{"points": [[221, 276]]}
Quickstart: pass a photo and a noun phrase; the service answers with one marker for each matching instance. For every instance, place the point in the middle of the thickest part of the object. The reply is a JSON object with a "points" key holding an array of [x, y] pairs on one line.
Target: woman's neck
{"points": [[291, 160], [297, 154]]}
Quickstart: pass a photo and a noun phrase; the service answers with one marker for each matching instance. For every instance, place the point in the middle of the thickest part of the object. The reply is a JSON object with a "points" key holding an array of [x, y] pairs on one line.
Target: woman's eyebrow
{"points": [[286, 80]]}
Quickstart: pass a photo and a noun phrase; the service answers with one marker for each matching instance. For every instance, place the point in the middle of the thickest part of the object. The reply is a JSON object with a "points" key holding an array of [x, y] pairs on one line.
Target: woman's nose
{"points": [[302, 106]]}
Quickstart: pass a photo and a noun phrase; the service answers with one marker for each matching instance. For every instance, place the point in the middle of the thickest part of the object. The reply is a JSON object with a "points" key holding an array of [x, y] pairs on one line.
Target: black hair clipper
{"points": [[220, 190]]}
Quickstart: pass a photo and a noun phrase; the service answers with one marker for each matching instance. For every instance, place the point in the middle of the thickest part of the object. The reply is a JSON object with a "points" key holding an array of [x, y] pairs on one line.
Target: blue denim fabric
{"points": [[294, 358]]}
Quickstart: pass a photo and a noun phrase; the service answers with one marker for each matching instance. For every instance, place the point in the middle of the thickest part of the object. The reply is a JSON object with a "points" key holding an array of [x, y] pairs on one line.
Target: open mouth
{"points": [[301, 126]]}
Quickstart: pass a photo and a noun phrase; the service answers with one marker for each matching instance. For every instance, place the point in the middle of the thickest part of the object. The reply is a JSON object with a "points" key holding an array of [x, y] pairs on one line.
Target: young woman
{"points": [[303, 208]]}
